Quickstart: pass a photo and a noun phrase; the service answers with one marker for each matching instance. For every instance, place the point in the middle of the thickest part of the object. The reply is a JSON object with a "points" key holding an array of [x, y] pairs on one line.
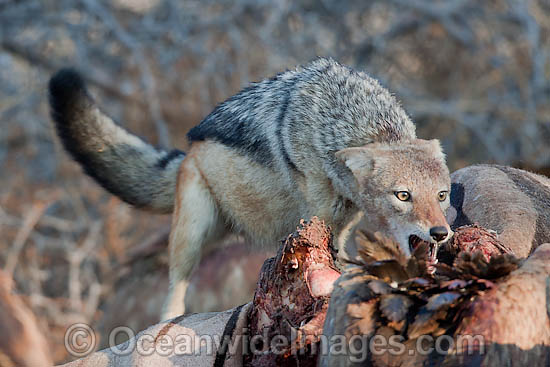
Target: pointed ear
{"points": [[360, 161], [432, 148], [436, 150]]}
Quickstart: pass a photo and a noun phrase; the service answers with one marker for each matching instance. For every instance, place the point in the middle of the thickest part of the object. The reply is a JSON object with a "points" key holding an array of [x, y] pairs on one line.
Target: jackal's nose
{"points": [[438, 233]]}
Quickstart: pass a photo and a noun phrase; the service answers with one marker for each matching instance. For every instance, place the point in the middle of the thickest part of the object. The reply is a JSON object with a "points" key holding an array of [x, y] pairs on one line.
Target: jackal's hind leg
{"points": [[196, 223]]}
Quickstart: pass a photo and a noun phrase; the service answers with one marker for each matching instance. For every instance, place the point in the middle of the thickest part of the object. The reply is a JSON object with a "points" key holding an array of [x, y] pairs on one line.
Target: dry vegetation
{"points": [[474, 74]]}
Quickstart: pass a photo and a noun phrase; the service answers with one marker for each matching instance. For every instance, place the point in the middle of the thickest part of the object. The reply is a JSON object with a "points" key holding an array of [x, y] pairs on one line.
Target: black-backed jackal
{"points": [[321, 139]]}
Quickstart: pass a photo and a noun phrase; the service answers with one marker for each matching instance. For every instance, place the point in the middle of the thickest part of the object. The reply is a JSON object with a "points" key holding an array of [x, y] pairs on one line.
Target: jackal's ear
{"points": [[434, 148], [360, 161]]}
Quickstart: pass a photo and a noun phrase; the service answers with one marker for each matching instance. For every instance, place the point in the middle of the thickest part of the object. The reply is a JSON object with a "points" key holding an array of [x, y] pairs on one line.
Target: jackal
{"points": [[320, 140]]}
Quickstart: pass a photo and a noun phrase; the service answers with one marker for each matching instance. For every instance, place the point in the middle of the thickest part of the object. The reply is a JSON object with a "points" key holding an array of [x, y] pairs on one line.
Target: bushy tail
{"points": [[122, 163]]}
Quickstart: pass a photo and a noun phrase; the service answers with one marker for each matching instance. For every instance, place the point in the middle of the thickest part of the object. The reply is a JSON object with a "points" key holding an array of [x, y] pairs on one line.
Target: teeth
{"points": [[433, 257]]}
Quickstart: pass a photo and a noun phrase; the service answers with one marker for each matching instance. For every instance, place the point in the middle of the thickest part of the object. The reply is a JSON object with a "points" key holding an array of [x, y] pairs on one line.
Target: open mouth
{"points": [[415, 241]]}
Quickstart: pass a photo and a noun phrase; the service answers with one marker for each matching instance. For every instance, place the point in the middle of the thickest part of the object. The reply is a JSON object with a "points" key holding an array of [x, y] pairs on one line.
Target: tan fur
{"points": [[215, 179], [195, 223], [220, 190], [417, 167]]}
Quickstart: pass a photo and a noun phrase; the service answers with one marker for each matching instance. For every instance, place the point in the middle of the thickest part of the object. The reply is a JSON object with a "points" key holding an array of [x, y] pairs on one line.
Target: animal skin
{"points": [[510, 201]]}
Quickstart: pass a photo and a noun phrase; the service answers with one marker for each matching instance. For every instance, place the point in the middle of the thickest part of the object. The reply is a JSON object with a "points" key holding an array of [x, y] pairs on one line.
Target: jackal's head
{"points": [[403, 189]]}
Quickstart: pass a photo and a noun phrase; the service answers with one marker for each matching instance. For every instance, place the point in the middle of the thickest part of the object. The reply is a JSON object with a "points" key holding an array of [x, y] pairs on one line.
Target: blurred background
{"points": [[475, 74]]}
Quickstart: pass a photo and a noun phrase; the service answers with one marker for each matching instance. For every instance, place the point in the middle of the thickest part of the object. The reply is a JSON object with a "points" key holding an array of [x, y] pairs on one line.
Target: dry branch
{"points": [[21, 340], [25, 230]]}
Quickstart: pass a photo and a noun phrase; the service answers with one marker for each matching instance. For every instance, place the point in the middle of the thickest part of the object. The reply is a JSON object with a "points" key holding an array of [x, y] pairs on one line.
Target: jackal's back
{"points": [[299, 118]]}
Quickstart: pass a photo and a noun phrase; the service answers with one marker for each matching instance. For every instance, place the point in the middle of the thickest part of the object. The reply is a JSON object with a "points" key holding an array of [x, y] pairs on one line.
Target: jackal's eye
{"points": [[442, 195], [403, 195]]}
